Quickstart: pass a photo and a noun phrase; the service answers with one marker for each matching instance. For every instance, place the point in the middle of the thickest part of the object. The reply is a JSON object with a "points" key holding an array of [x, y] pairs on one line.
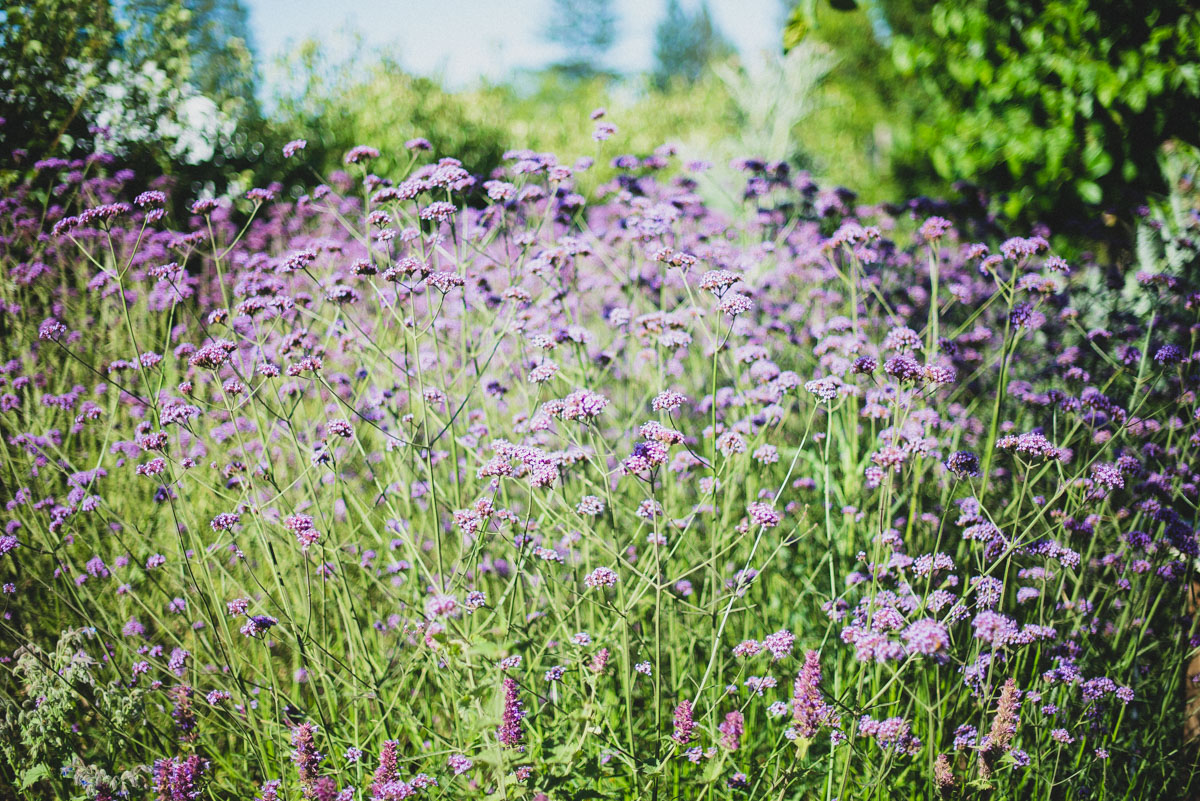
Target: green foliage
{"points": [[1170, 233], [60, 692], [555, 117], [685, 44], [338, 106], [170, 82], [1064, 105], [41, 44], [865, 108], [208, 40], [775, 103]]}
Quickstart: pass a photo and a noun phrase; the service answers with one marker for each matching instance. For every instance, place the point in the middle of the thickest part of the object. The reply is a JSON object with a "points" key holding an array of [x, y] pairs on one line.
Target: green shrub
{"points": [[1063, 105]]}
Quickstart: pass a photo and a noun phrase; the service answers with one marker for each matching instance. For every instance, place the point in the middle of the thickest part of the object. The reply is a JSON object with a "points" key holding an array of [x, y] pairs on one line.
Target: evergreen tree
{"points": [[585, 29], [684, 44]]}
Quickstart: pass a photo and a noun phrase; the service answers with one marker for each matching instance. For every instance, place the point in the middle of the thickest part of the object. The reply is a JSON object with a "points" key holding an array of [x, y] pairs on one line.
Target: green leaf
{"points": [[795, 29], [843, 5], [1089, 192], [34, 774]]}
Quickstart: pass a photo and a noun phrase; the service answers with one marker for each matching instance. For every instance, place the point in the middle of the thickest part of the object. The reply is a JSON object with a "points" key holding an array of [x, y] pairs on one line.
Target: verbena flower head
{"points": [[511, 732]]}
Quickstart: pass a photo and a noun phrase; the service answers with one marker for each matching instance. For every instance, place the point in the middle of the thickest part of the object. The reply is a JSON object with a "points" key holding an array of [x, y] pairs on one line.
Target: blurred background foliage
{"points": [[1062, 105], [1060, 110], [168, 86]]}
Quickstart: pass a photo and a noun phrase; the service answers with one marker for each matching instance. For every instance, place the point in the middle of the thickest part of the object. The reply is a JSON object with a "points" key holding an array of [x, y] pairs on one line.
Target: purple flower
{"points": [[360, 154], [809, 710], [926, 637], [780, 644], [603, 131], [1168, 355], [903, 367], [306, 757], [511, 732], [685, 724], [601, 577], [864, 365], [994, 628], [258, 625], [439, 210], [179, 778], [1004, 726], [892, 733], [935, 228], [731, 730], [963, 464], [225, 521], [459, 764]]}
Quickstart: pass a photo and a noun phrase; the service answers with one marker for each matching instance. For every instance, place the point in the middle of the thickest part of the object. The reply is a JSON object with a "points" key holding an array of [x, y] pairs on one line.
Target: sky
{"points": [[462, 41]]}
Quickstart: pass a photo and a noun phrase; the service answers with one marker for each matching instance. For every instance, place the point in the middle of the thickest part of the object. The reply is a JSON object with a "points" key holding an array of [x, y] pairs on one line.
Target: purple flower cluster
{"points": [[349, 458]]}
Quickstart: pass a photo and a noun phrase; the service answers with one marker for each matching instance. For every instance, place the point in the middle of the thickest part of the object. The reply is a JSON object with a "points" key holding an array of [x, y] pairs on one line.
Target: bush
{"points": [[1062, 105], [340, 105]]}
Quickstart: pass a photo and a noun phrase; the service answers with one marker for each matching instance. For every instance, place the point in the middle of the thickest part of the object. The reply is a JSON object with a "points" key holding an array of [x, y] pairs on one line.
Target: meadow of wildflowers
{"points": [[436, 485]]}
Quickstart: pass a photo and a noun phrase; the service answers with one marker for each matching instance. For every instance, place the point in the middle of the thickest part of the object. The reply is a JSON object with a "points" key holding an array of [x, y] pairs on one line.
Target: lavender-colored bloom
{"points": [[904, 368], [439, 210], [943, 775], [927, 637], [994, 628], [389, 770], [685, 725], [731, 730], [179, 778], [583, 405], [511, 732], [1108, 476], [182, 712], [780, 644], [963, 464], [1004, 727], [1168, 355], [225, 521], [1061, 736], [892, 733], [360, 154], [603, 131], [258, 625], [809, 710], [306, 757], [178, 661], [935, 228], [601, 577], [864, 365], [762, 514]]}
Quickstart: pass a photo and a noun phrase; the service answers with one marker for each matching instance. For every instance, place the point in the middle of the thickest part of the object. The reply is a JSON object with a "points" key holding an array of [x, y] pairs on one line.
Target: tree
{"points": [[208, 41], [585, 29], [42, 48], [684, 44], [166, 85]]}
